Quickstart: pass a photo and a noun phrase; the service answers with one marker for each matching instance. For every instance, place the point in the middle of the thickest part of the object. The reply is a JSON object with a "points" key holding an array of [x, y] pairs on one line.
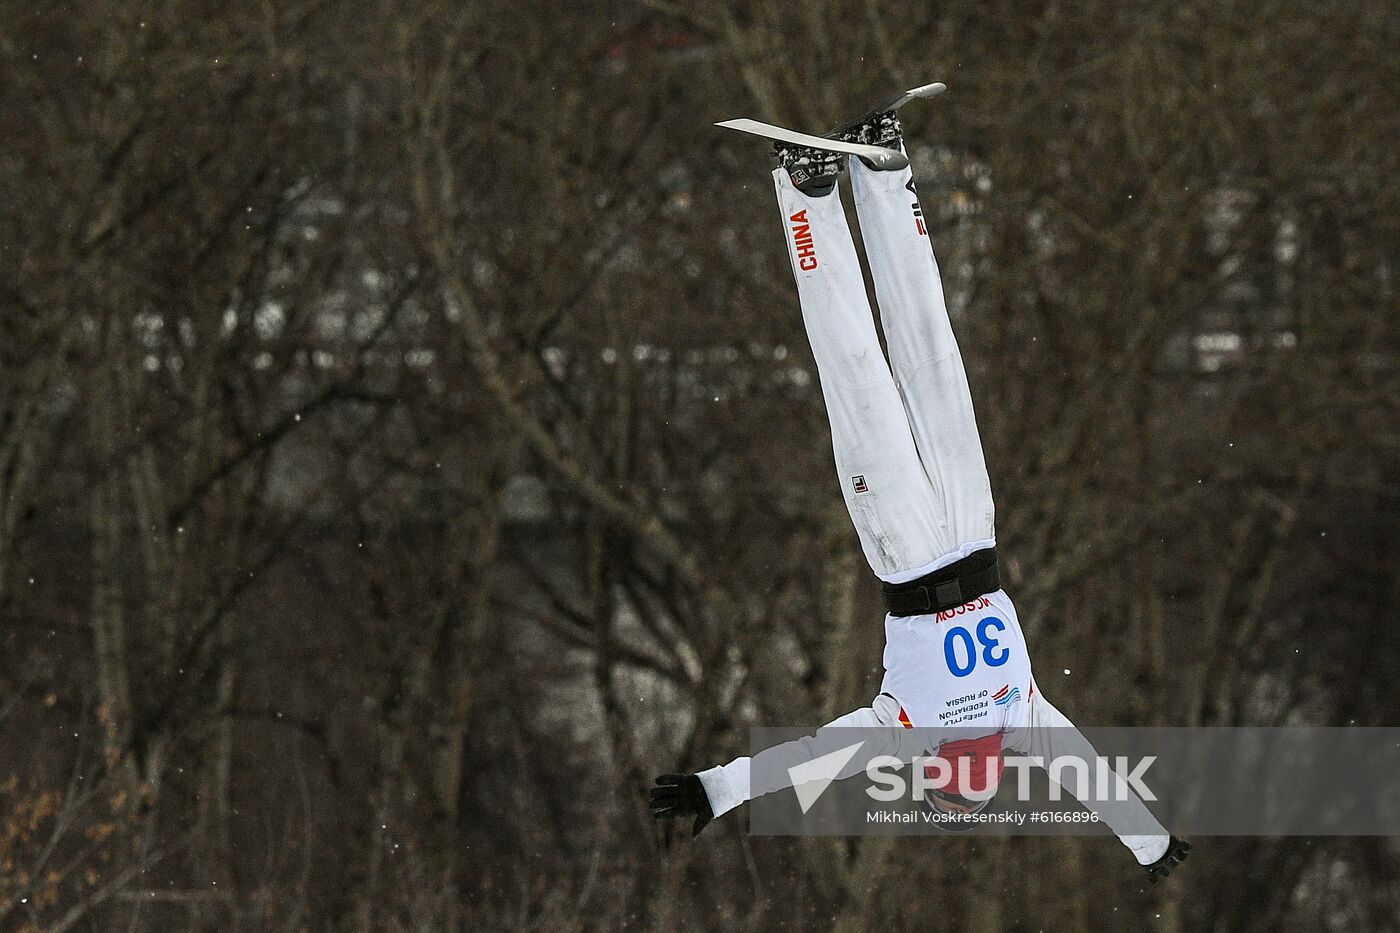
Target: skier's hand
{"points": [[681, 795], [1177, 850]]}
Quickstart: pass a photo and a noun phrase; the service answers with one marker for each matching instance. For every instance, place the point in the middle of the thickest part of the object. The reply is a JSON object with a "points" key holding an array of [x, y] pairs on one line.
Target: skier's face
{"points": [[946, 802]]}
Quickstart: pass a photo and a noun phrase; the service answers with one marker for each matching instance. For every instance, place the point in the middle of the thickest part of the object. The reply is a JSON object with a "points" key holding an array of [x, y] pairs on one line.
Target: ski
{"points": [[876, 156], [894, 103]]}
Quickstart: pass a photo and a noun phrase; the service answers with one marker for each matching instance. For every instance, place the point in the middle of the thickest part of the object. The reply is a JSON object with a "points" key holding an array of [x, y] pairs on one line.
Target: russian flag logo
{"points": [[1007, 694]]}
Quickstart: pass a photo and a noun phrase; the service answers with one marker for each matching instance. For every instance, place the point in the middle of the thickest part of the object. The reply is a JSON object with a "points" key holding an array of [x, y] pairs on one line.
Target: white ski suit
{"points": [[910, 464]]}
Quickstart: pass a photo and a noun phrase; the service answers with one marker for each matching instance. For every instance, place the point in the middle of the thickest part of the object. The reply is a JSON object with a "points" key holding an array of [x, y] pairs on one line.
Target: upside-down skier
{"points": [[911, 468]]}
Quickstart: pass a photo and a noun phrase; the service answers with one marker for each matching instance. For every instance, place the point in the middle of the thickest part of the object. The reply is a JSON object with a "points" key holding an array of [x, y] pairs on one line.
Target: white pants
{"points": [[907, 451], [911, 470]]}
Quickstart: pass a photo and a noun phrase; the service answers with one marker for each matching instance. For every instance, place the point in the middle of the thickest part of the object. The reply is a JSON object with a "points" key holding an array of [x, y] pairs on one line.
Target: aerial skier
{"points": [[910, 463]]}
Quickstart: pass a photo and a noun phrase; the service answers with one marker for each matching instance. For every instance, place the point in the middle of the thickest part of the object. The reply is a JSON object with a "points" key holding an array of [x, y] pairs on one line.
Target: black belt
{"points": [[947, 587]]}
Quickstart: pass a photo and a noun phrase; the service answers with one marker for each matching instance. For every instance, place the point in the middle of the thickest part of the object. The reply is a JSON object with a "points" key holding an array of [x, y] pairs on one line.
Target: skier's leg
{"points": [[924, 354], [882, 479]]}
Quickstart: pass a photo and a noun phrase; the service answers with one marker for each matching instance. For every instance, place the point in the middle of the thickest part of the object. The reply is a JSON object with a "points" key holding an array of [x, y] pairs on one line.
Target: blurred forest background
{"points": [[409, 445]]}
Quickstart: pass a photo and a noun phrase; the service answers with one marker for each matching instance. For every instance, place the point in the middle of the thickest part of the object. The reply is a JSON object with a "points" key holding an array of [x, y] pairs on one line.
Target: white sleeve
{"points": [[729, 785], [1048, 734]]}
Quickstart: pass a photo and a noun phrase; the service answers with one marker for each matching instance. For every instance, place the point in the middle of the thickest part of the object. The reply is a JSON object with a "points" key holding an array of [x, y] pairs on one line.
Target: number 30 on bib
{"points": [[961, 653]]}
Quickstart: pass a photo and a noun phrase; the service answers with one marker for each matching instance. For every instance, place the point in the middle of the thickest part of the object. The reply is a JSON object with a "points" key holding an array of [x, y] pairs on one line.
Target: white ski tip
{"points": [[930, 90], [878, 156]]}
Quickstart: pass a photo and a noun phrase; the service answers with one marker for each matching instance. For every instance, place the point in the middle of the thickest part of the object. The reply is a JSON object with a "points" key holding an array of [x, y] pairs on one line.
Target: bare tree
{"points": [[408, 442]]}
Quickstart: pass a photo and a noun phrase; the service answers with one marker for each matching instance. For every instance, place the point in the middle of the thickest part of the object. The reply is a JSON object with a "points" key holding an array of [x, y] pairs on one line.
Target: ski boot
{"points": [[813, 171]]}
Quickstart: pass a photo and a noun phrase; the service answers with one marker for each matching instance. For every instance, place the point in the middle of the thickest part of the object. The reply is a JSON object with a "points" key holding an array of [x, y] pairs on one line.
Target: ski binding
{"points": [[894, 103]]}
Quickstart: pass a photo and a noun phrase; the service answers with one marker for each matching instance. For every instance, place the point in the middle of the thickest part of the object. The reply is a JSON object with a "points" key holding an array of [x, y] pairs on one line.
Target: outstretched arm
{"points": [[726, 786], [1049, 734]]}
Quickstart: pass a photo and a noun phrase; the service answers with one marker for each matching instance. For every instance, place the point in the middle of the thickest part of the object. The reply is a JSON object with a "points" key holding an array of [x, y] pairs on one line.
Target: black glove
{"points": [[1177, 850], [681, 795]]}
